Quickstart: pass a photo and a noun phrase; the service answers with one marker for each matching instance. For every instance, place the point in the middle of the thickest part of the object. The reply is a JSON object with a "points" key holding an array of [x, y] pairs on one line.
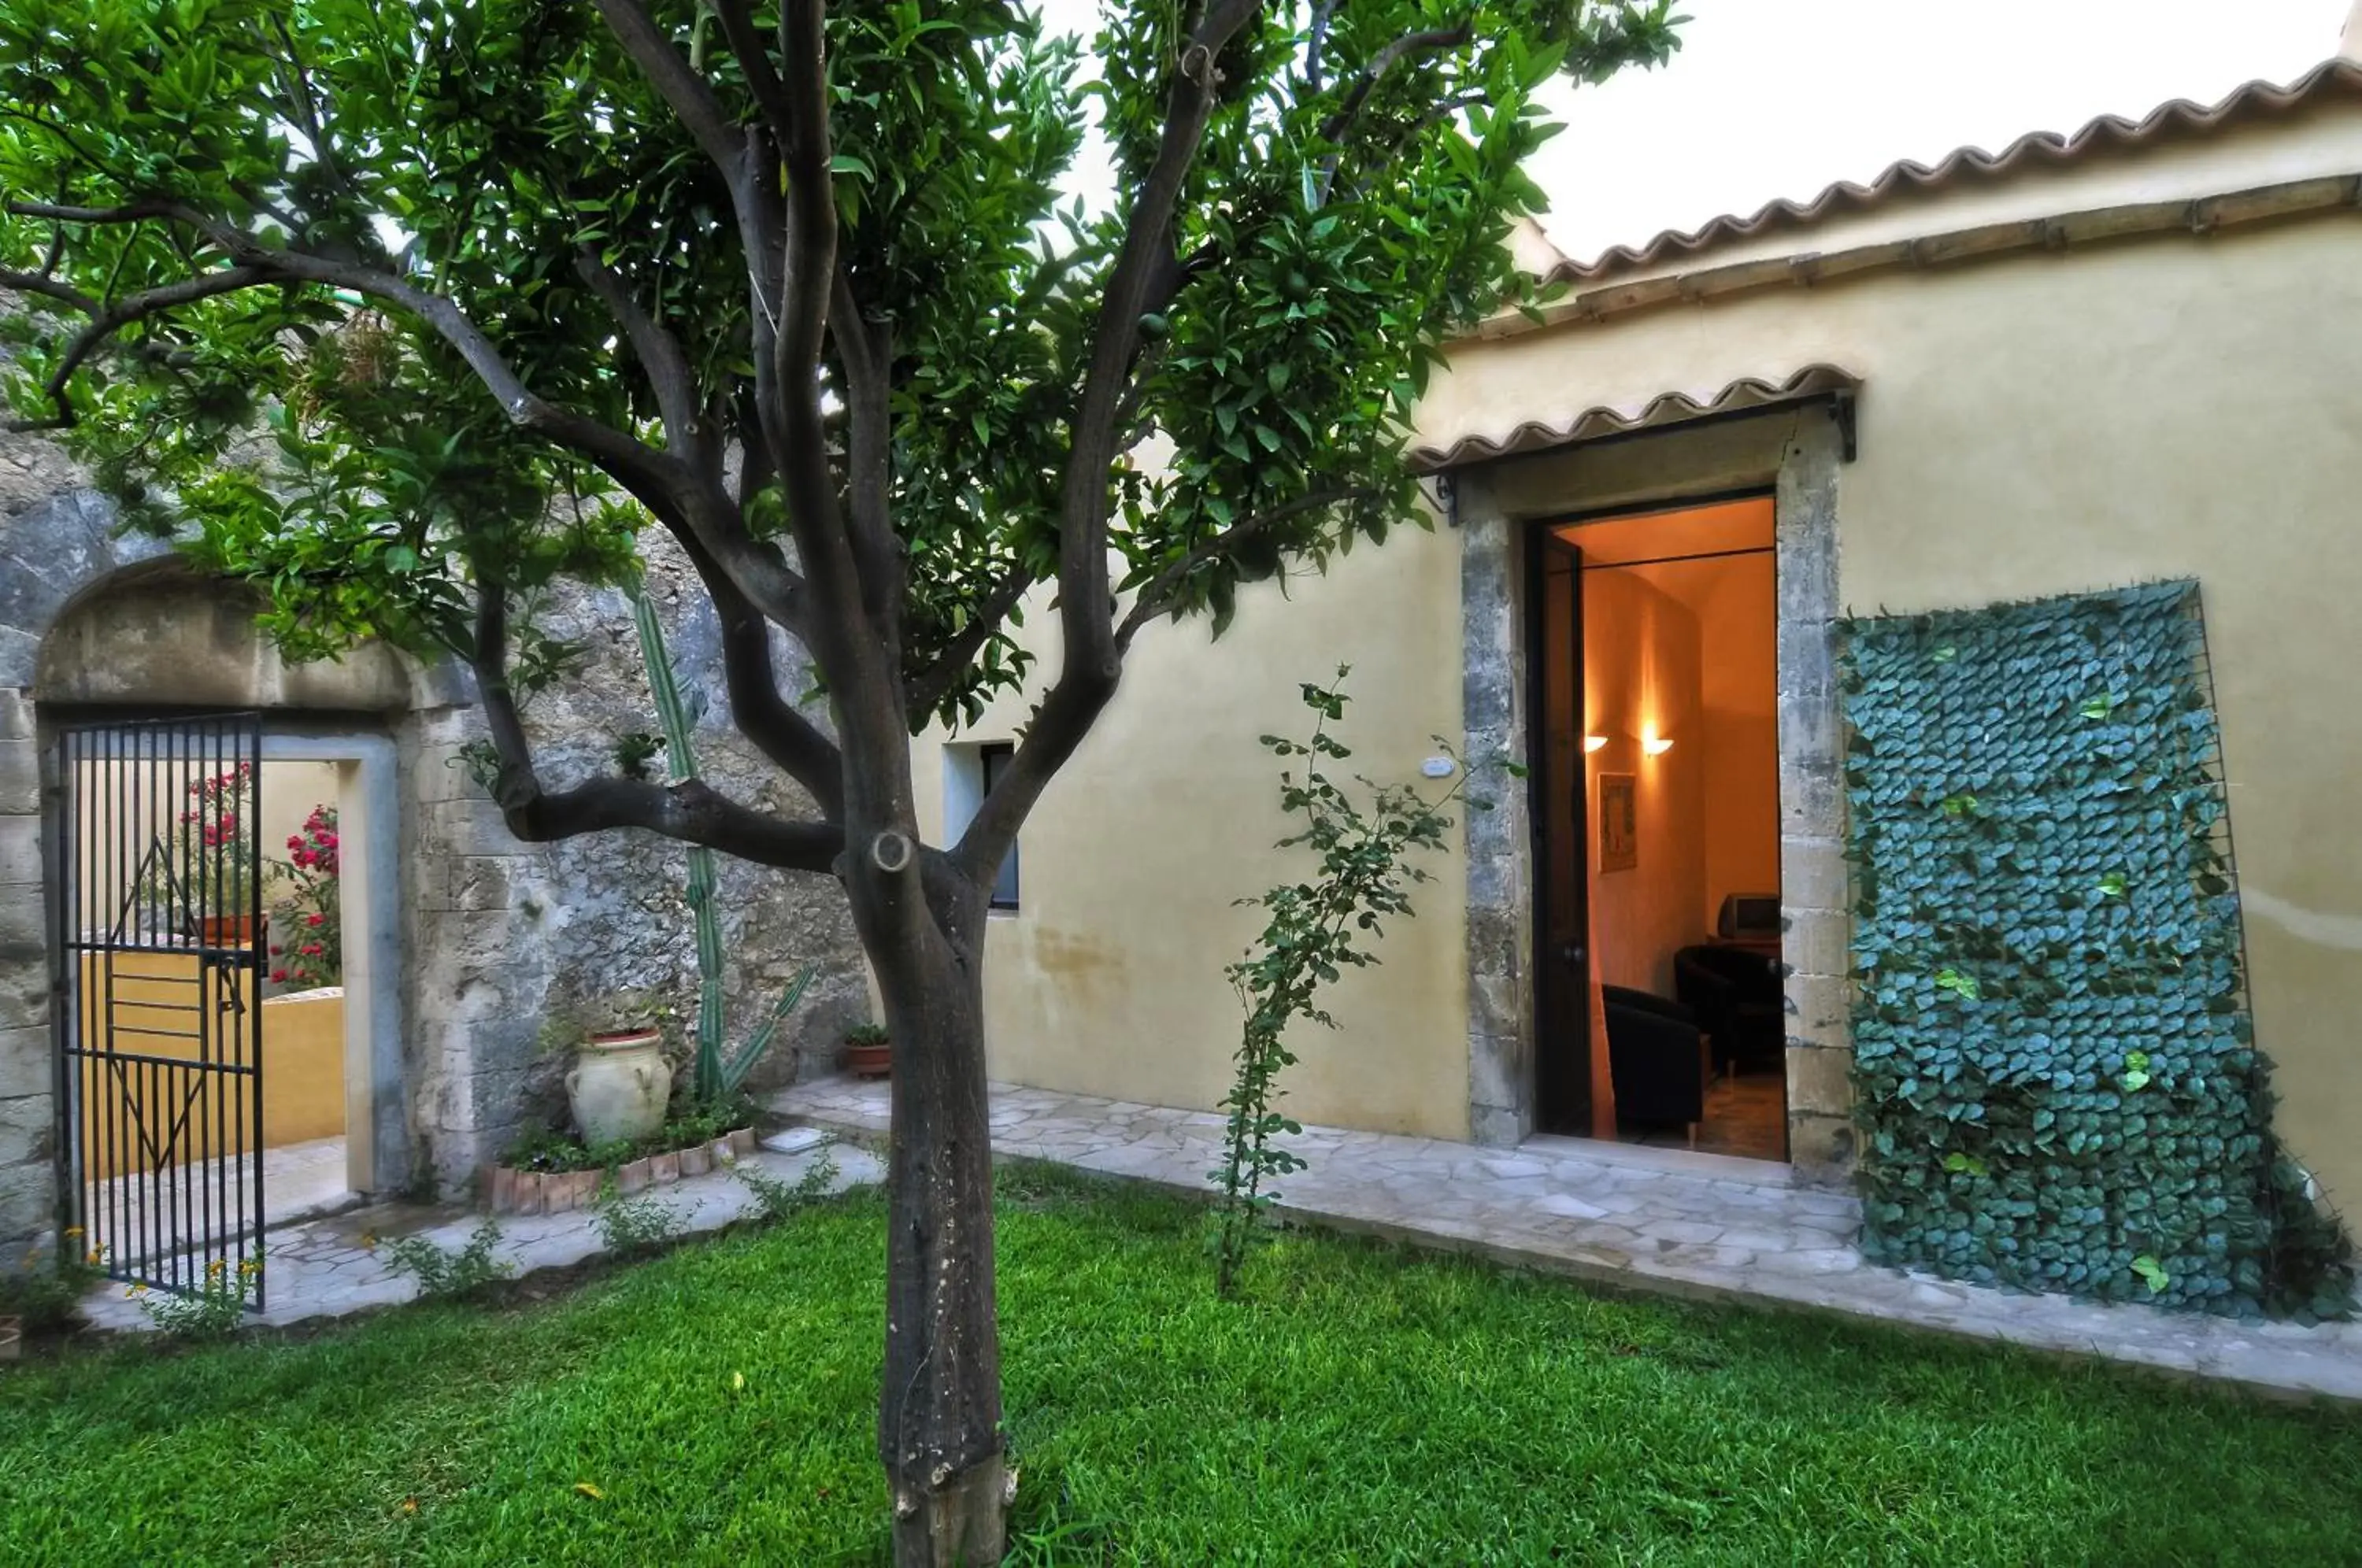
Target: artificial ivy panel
{"points": [[2056, 1076]]}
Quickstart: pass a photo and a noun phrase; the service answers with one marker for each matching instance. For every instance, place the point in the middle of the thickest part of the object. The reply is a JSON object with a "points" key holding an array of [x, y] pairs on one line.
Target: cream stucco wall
{"points": [[2177, 405], [1107, 978], [2171, 407]]}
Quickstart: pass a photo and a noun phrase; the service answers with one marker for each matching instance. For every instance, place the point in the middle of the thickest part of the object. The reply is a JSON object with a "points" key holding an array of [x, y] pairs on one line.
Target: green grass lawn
{"points": [[1362, 1406]]}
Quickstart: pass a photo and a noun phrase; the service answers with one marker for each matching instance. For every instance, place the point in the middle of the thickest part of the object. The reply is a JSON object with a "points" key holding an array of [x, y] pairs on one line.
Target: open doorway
{"points": [[1658, 1013], [216, 1085], [306, 1149]]}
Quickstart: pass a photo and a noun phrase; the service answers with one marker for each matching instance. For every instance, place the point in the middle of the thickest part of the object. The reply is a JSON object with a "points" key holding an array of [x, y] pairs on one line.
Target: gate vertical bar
{"points": [[158, 1069], [249, 846]]}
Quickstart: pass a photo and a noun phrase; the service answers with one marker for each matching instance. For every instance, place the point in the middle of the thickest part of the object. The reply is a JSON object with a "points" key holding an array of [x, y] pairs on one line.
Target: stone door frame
{"points": [[1797, 453], [369, 819]]}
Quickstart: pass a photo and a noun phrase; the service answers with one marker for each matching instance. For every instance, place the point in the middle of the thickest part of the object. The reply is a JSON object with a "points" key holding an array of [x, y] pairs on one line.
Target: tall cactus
{"points": [[717, 1073]]}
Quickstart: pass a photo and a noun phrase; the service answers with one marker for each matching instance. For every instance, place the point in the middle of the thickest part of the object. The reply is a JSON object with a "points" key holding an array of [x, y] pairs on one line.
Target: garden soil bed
{"points": [[511, 1190]]}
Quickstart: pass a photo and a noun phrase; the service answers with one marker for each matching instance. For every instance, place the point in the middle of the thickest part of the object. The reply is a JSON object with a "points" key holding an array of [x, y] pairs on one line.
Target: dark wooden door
{"points": [[1561, 817]]}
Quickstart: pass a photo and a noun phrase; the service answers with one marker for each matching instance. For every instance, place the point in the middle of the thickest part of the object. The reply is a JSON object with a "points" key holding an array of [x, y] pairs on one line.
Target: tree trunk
{"points": [[939, 1411]]}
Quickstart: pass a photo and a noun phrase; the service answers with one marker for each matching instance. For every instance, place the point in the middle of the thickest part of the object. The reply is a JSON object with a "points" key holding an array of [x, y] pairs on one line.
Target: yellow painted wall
{"points": [[2048, 424], [1108, 979], [1640, 679], [302, 1062], [2175, 407], [1737, 736]]}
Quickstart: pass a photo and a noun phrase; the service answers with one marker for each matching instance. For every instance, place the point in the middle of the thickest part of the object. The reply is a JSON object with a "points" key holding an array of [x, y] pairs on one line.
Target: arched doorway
{"points": [[129, 685]]}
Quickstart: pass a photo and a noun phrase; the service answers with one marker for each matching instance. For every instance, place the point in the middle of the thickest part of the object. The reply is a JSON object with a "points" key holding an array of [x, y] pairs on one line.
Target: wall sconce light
{"points": [[1594, 742], [1655, 745]]}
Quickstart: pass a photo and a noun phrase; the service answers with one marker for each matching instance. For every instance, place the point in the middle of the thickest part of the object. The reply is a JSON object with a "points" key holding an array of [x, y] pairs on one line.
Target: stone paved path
{"points": [[326, 1268], [1696, 1225]]}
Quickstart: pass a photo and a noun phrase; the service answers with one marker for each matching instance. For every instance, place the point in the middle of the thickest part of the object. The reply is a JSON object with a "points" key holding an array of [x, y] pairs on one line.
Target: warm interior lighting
{"points": [[1655, 745], [1594, 742]]}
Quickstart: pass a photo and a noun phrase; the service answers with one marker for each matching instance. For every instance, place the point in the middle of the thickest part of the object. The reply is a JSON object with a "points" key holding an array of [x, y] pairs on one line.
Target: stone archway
{"points": [[92, 621], [489, 931]]}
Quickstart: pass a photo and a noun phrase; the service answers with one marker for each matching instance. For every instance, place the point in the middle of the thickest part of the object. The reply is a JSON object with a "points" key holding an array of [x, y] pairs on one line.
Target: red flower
{"points": [[315, 918], [310, 950], [278, 977], [276, 950]]}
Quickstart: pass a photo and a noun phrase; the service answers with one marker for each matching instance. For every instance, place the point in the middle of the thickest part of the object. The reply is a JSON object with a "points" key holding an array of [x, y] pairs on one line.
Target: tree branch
{"points": [[658, 351], [1091, 661], [44, 284], [1321, 14], [1157, 600], [1432, 40], [864, 351], [129, 211], [810, 264], [111, 319], [926, 690], [855, 629], [691, 812], [746, 47], [670, 72], [668, 485], [760, 711]]}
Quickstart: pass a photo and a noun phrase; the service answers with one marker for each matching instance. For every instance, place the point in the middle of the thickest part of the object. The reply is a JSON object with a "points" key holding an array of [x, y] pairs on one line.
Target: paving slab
{"points": [[1698, 1225], [330, 1267]]}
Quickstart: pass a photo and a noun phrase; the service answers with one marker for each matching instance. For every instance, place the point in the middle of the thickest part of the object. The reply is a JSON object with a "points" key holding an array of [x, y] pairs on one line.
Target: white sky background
{"points": [[1771, 98]]}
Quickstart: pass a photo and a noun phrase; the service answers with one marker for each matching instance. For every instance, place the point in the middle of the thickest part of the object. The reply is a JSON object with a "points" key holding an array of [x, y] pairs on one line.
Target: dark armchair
{"points": [[1736, 996], [1654, 1058]]}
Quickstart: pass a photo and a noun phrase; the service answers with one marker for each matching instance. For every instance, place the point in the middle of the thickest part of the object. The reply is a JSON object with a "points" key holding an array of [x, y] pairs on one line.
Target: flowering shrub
{"points": [[206, 867], [310, 950]]}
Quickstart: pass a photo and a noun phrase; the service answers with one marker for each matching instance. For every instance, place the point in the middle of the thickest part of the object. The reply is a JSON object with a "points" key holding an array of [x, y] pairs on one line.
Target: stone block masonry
{"points": [[494, 933]]}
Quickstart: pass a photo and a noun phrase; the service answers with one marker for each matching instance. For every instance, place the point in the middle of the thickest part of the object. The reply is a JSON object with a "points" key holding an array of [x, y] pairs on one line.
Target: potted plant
{"points": [[619, 1083], [208, 875], [867, 1051]]}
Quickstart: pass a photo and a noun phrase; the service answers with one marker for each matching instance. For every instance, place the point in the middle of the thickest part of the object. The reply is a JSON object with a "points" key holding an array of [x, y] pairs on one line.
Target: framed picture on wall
{"points": [[1619, 822]]}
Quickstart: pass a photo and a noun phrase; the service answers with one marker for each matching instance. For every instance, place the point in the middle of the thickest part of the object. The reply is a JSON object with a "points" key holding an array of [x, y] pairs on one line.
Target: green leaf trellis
{"points": [[2057, 1079]]}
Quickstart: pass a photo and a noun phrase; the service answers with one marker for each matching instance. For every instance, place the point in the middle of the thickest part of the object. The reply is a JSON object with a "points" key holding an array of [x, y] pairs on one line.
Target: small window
{"points": [[995, 756]]}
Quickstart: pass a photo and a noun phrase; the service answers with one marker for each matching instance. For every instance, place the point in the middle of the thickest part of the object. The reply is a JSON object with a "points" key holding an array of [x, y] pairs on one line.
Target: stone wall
{"points": [[505, 932], [495, 932]]}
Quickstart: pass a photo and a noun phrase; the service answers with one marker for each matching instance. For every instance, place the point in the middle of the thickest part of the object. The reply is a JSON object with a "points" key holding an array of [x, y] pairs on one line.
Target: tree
{"points": [[407, 312]]}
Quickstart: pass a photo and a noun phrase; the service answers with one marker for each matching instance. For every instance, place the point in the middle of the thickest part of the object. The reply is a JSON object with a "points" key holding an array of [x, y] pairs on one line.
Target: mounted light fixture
{"points": [[1655, 745], [1594, 742]]}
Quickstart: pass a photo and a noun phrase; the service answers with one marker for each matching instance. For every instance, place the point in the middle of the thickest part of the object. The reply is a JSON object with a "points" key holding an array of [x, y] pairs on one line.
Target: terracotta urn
{"points": [[865, 1060], [619, 1086]]}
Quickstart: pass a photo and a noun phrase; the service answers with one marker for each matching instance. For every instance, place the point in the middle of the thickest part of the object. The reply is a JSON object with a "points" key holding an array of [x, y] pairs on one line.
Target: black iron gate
{"points": [[159, 1049]]}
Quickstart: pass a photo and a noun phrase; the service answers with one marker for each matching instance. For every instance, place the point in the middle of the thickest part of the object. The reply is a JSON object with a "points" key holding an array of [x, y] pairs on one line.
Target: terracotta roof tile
{"points": [[2338, 77], [1669, 408]]}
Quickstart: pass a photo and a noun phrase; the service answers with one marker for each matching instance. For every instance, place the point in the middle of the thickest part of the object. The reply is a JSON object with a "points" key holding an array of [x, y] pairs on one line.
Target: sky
{"points": [[1771, 98]]}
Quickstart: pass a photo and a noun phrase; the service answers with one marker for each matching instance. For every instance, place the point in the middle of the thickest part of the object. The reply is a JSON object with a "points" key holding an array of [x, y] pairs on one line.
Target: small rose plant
{"points": [[308, 919]]}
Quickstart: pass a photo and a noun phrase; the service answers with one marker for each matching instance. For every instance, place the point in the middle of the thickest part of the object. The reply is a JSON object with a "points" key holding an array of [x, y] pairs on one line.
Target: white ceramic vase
{"points": [[619, 1087]]}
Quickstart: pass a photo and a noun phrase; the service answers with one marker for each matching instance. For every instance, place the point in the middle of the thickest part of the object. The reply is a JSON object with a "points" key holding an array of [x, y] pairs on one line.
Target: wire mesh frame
{"points": [[2216, 766], [160, 937]]}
